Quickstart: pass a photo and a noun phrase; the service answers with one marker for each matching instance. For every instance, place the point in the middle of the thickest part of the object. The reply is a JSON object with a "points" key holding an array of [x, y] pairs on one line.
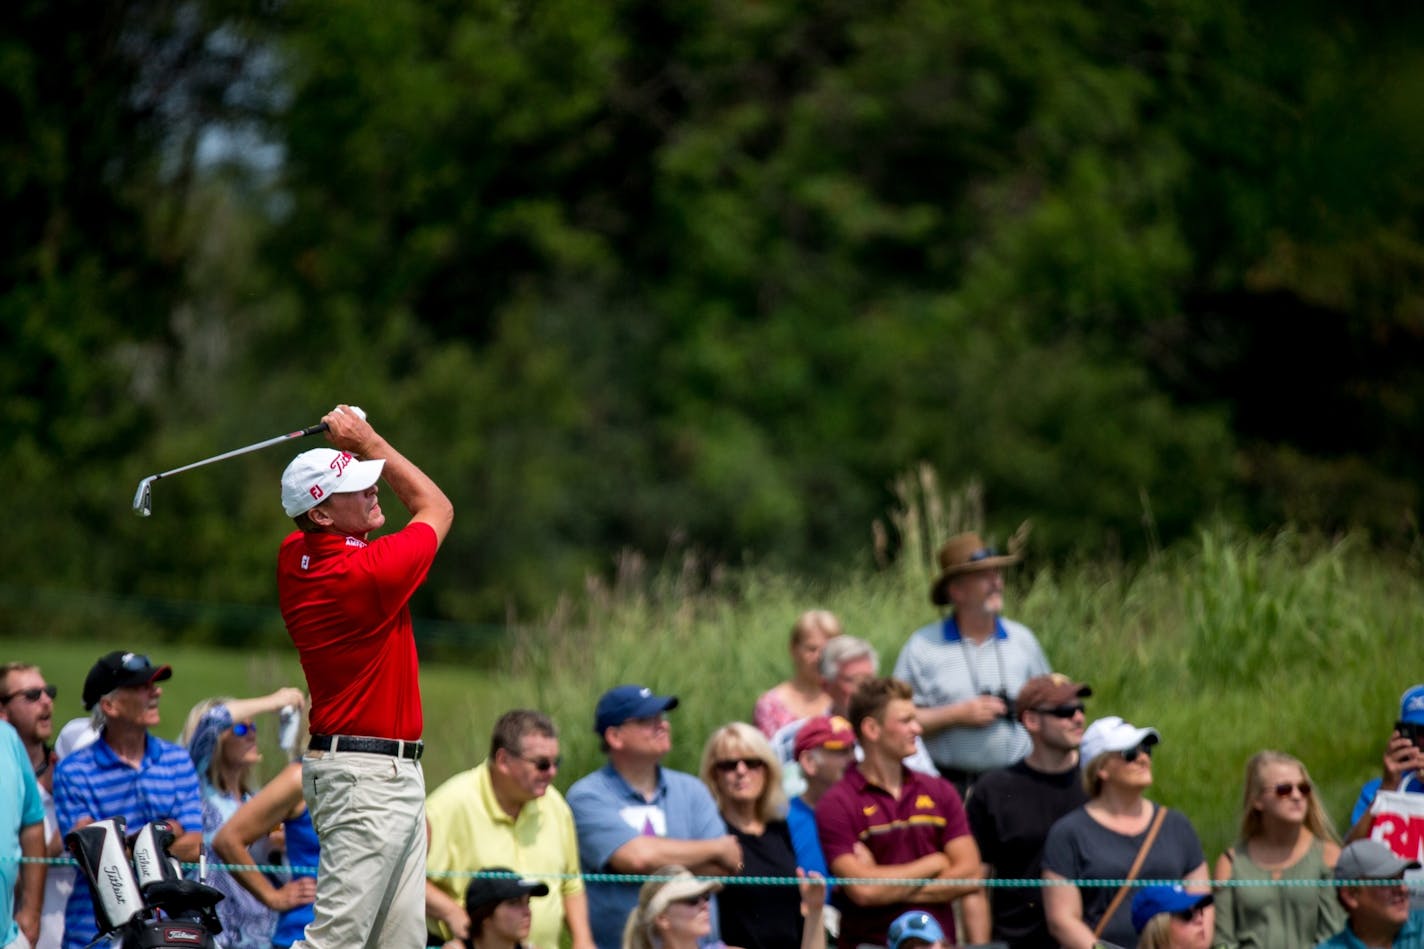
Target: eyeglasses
{"points": [[1062, 711], [1284, 790], [543, 764], [728, 765], [697, 900], [243, 729], [29, 695], [1130, 755], [1188, 915]]}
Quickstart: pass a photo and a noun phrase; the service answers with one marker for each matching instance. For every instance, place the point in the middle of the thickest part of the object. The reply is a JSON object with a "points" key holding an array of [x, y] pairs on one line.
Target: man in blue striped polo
{"points": [[126, 773]]}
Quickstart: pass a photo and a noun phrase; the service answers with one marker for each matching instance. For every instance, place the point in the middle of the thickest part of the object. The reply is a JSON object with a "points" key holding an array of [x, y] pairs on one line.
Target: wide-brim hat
{"points": [[961, 554]]}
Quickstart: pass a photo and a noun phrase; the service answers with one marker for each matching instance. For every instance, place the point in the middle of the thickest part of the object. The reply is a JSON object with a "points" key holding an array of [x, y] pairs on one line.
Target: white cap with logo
{"points": [[315, 475]]}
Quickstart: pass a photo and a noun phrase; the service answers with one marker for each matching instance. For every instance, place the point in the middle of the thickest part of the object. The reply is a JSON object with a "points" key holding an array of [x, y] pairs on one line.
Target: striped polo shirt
{"points": [[96, 783]]}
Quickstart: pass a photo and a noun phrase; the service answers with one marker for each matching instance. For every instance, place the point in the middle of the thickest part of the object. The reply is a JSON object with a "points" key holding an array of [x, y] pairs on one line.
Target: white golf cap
{"points": [[1113, 734], [315, 475]]}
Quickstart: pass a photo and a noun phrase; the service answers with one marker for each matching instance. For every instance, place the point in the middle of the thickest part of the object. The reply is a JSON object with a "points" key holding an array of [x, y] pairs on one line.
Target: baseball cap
{"points": [[916, 924], [315, 475], [623, 702], [1151, 900], [1049, 691], [1411, 705], [824, 731], [1371, 860], [117, 670], [484, 890], [1113, 734]]}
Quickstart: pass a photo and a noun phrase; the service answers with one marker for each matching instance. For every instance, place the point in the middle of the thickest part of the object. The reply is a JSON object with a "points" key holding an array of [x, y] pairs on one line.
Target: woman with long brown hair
{"points": [[1285, 835]]}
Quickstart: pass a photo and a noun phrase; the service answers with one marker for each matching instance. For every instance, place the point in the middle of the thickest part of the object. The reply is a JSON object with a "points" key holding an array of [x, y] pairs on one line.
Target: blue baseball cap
{"points": [[916, 924], [629, 701], [1151, 900], [1411, 705]]}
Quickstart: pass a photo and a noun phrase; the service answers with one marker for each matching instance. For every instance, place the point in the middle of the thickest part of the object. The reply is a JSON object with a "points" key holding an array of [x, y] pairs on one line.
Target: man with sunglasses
{"points": [[967, 668], [27, 703], [126, 772], [1011, 809], [634, 816], [346, 601], [1370, 885], [505, 812], [22, 806]]}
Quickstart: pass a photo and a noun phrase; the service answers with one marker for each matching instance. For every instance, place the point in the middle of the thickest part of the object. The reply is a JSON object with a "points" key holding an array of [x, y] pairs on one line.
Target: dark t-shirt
{"points": [[763, 917], [1010, 811], [1078, 848]]}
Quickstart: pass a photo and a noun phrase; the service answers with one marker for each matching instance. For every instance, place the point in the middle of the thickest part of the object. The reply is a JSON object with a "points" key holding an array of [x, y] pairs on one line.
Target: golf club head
{"points": [[143, 497]]}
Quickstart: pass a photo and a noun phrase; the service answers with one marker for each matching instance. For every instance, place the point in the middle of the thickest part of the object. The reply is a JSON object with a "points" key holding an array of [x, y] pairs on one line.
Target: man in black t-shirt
{"points": [[1011, 809]]}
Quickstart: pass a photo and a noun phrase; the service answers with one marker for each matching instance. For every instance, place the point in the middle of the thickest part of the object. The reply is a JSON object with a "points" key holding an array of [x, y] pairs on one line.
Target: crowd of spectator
{"points": [[973, 762]]}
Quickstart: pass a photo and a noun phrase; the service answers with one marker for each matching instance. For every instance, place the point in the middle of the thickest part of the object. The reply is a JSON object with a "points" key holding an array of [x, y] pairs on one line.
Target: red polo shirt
{"points": [[927, 816], [346, 605]]}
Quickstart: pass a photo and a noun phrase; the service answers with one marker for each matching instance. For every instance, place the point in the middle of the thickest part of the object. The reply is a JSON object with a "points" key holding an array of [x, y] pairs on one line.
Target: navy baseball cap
{"points": [[1151, 900], [117, 670], [1411, 706], [508, 885], [916, 924], [629, 701]]}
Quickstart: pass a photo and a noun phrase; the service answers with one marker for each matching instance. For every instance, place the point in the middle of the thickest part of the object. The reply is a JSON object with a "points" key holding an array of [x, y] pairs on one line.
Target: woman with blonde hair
{"points": [[221, 737], [1119, 835], [1285, 835], [674, 912], [804, 694], [740, 769]]}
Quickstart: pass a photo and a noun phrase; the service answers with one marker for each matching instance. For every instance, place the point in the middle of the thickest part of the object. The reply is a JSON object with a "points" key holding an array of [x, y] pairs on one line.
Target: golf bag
{"points": [[151, 906]]}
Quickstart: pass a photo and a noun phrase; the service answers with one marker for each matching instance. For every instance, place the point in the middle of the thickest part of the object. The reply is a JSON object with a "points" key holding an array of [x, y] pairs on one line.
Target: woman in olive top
{"points": [[1285, 835]]}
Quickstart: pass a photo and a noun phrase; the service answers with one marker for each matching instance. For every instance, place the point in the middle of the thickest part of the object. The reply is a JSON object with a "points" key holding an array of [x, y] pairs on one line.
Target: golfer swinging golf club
{"points": [[345, 600]]}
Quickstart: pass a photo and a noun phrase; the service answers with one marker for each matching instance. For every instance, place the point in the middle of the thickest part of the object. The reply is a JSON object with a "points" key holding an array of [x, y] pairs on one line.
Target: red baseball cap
{"points": [[824, 731]]}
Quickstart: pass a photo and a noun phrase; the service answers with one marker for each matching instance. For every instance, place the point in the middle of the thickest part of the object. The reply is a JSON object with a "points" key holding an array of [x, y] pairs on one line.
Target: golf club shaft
{"points": [[300, 433]]}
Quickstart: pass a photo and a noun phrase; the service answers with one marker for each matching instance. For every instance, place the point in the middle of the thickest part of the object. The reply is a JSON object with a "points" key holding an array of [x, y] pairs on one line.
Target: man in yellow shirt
{"points": [[506, 813]]}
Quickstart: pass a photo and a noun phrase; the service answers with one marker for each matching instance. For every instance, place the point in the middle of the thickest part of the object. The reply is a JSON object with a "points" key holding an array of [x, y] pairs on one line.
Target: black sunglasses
{"points": [[728, 765], [1187, 915], [1062, 711], [1131, 754], [543, 764], [1284, 790], [31, 695], [136, 662]]}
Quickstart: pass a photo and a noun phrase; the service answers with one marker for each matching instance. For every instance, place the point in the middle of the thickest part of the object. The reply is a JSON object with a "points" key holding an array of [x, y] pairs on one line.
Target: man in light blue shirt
{"points": [[1379, 913], [21, 835], [635, 816]]}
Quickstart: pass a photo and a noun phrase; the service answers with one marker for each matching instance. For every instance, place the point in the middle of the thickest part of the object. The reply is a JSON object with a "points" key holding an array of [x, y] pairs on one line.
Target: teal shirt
{"points": [[1410, 937], [20, 806]]}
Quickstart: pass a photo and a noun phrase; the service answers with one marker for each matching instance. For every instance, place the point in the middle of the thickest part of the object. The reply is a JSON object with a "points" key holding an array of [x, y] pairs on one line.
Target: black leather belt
{"points": [[370, 746]]}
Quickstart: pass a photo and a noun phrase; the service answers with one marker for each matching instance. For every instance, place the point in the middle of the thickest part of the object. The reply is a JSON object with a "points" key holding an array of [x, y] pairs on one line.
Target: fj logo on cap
{"points": [[316, 492]]}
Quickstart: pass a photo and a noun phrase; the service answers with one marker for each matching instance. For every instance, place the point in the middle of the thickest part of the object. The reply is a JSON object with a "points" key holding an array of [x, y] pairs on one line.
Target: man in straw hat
{"points": [[966, 668]]}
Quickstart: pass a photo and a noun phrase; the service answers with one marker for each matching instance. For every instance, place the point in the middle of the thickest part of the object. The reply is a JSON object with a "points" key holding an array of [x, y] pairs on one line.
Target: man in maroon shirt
{"points": [[883, 821], [346, 604]]}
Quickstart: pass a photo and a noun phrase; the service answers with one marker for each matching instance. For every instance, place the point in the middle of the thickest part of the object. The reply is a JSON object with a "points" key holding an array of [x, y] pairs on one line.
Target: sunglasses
{"points": [[1284, 790], [1130, 755], [1062, 711], [728, 765], [1188, 915], [543, 764], [30, 695], [243, 729], [983, 553], [697, 900], [136, 663]]}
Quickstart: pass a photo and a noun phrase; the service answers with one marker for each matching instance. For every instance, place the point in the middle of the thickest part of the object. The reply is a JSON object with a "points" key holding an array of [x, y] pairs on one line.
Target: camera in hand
{"points": [[1411, 730], [147, 901], [1008, 714]]}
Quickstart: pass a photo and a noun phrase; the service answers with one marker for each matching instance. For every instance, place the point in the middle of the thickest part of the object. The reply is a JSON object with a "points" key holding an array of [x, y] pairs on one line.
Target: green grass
{"points": [[1227, 645]]}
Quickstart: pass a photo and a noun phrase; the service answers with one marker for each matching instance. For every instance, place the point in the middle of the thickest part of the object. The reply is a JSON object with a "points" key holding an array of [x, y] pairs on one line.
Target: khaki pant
{"points": [[369, 814]]}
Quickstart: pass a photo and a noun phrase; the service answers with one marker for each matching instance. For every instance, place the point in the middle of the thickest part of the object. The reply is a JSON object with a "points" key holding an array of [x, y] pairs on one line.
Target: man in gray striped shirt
{"points": [[966, 668]]}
